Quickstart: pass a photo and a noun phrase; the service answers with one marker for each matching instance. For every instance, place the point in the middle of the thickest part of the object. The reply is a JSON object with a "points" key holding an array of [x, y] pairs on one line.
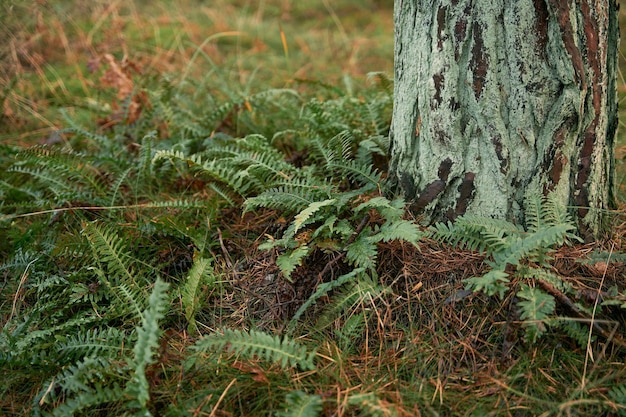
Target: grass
{"points": [[131, 285], [53, 57]]}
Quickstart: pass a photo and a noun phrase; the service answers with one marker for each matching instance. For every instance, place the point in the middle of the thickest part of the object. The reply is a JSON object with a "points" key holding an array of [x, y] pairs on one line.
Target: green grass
{"points": [[132, 284], [232, 48]]}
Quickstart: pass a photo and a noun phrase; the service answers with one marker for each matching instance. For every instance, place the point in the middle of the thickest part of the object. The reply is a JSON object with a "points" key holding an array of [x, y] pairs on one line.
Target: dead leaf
{"points": [[116, 78]]}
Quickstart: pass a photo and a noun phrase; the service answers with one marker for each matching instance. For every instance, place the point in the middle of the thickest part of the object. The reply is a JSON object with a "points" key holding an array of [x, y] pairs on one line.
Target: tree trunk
{"points": [[498, 99]]}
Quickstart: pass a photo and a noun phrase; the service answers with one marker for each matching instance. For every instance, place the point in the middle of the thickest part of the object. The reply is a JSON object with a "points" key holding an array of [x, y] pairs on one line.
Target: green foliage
{"points": [[283, 351], [536, 308], [301, 404], [618, 396], [200, 275], [323, 289], [339, 140], [116, 253], [508, 245], [147, 342], [358, 295]]}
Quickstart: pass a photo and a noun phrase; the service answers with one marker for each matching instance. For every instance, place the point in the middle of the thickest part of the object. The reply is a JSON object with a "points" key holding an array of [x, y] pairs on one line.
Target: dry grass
{"points": [[425, 345]]}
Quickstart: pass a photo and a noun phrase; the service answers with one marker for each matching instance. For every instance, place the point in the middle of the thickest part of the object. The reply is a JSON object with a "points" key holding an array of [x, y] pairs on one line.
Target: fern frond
{"points": [[109, 248], [541, 274], [536, 308], [476, 233], [398, 230], [618, 395], [287, 262], [99, 395], [390, 210], [555, 212], [80, 376], [148, 342], [201, 273], [577, 331], [534, 212], [363, 174], [545, 237], [91, 342], [361, 292], [32, 340], [286, 352], [362, 253], [370, 147], [301, 404], [323, 290], [100, 140], [493, 282], [288, 198], [305, 216]]}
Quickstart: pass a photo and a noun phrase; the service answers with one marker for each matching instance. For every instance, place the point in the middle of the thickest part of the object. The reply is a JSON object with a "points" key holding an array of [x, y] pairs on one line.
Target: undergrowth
{"points": [[240, 254]]}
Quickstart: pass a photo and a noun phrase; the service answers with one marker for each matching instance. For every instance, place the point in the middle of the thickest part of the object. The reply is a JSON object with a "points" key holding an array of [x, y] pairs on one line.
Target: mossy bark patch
{"points": [[497, 99]]}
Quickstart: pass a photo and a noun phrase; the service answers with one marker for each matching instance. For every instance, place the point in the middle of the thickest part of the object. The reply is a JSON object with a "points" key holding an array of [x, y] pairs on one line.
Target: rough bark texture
{"points": [[496, 99]]}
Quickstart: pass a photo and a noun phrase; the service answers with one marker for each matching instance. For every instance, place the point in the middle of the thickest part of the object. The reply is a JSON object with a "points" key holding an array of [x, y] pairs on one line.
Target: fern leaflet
{"points": [[286, 352]]}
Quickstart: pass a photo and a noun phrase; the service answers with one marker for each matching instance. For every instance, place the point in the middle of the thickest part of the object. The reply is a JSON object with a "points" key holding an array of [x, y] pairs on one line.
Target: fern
{"points": [[362, 253], [84, 401], [301, 404], [200, 274], [147, 342], [618, 396], [509, 245], [120, 277], [287, 262], [362, 292], [579, 332], [323, 290], [285, 352], [290, 198], [492, 283], [111, 250], [305, 215], [92, 342], [536, 308]]}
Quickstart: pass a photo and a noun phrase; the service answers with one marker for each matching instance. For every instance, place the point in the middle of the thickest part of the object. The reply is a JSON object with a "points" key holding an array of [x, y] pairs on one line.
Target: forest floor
{"points": [[256, 324]]}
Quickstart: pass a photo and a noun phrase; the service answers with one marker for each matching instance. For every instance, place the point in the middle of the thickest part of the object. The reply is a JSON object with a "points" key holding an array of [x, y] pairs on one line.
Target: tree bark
{"points": [[499, 99]]}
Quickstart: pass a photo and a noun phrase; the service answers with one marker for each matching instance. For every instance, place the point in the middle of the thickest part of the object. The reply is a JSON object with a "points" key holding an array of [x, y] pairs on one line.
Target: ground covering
{"points": [[195, 222]]}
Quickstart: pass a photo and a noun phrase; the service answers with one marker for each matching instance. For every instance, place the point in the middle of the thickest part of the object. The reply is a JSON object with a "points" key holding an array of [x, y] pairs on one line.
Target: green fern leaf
{"points": [[390, 210], [360, 294], [85, 401], [286, 352], [304, 216], [288, 262], [301, 404], [322, 290], [364, 174], [362, 253], [148, 342], [109, 248], [493, 282], [618, 395], [537, 307], [98, 341], [542, 239], [533, 212], [80, 376], [574, 329], [200, 274], [398, 230]]}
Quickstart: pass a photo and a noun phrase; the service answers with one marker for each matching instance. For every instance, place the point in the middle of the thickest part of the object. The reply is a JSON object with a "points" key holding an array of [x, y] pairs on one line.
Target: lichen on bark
{"points": [[496, 99]]}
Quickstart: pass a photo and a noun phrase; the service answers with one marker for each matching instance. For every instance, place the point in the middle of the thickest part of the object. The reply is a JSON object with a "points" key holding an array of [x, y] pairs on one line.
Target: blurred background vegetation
{"points": [[52, 54]]}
